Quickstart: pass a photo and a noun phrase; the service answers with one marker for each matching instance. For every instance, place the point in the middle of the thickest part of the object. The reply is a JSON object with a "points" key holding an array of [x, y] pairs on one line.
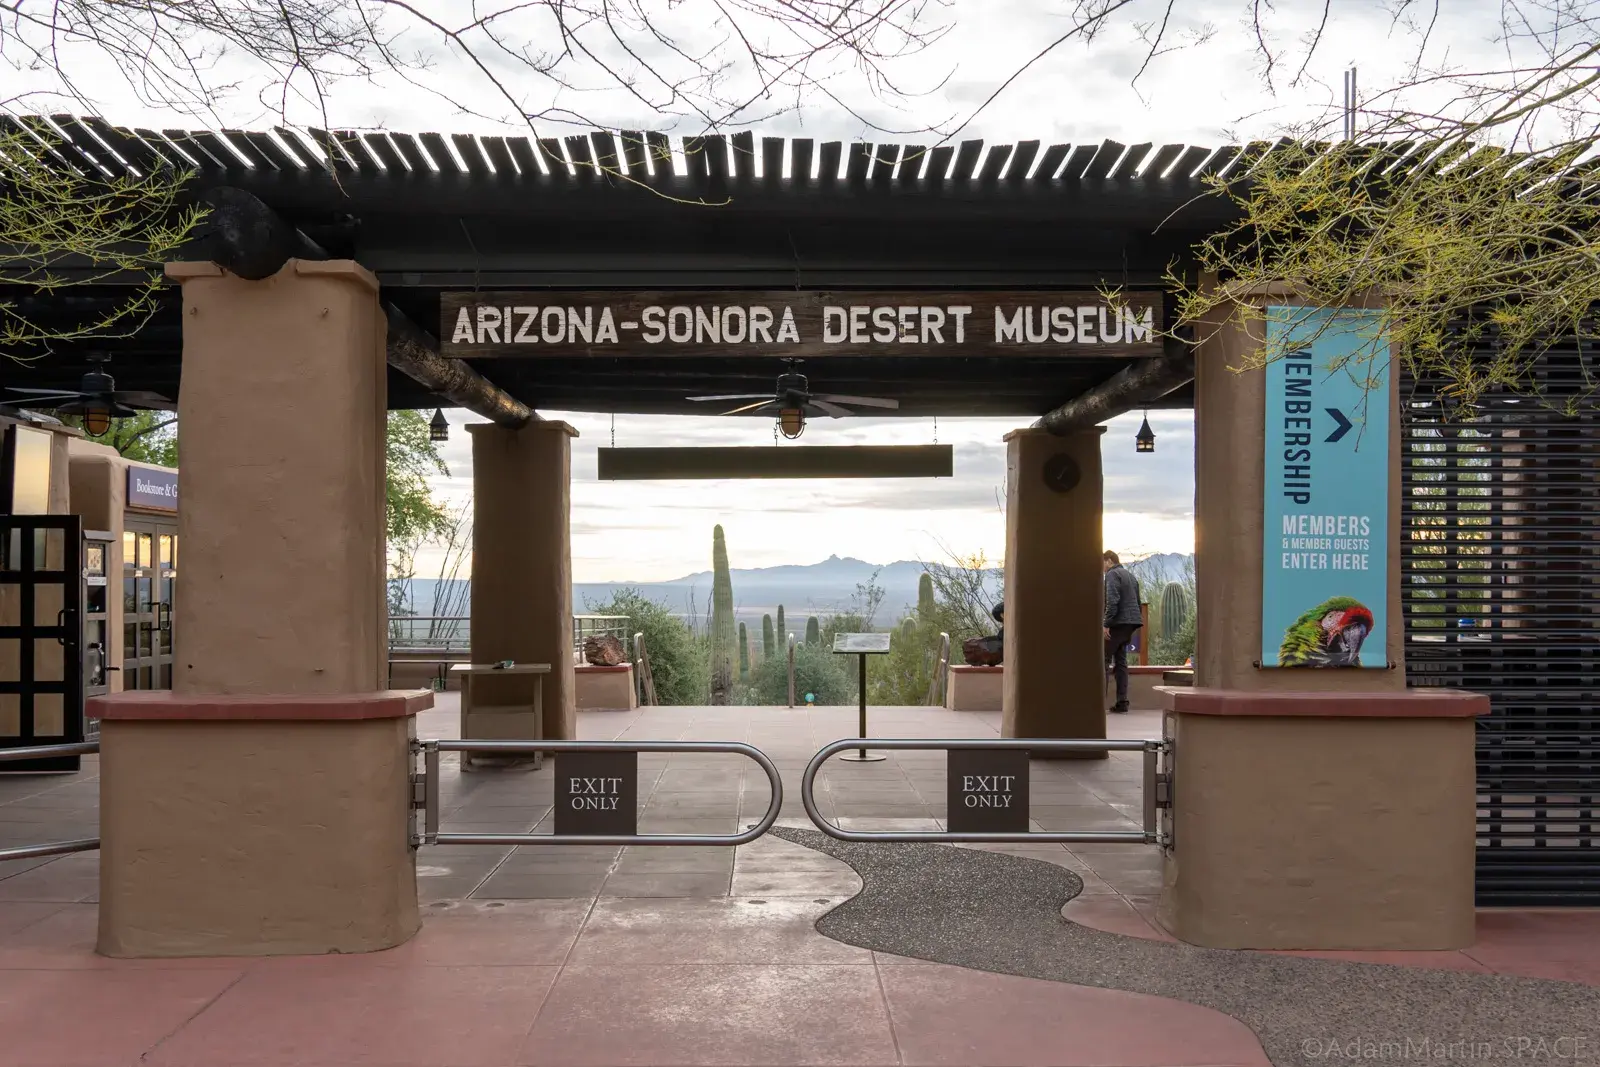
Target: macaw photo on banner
{"points": [[1324, 592]]}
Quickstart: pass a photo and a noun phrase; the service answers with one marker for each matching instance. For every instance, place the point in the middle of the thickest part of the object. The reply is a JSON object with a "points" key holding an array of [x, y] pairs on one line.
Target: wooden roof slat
{"points": [[885, 157], [251, 151], [939, 163], [185, 140], [995, 163], [1188, 160], [802, 150], [1105, 158], [913, 157], [1156, 164], [660, 155], [379, 145], [30, 143], [633, 153], [84, 141], [181, 160], [714, 148], [499, 155], [607, 161], [581, 151], [1021, 161], [1078, 162], [1129, 166], [472, 155], [220, 149], [1054, 156], [434, 144], [555, 159], [966, 160], [859, 162], [365, 162], [771, 159], [1252, 154], [1219, 161], [828, 162], [130, 146], [742, 158], [298, 148], [331, 150], [412, 152], [44, 139], [521, 150], [694, 156]]}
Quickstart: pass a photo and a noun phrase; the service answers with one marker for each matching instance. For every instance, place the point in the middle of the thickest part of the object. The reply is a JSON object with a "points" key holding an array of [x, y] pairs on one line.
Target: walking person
{"points": [[1121, 621]]}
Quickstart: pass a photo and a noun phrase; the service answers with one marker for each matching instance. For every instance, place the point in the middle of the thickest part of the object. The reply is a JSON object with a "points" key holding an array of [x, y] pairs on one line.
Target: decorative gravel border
{"points": [[990, 911]]}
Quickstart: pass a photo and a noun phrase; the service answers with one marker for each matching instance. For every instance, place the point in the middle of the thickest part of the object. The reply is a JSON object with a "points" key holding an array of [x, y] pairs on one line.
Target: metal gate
{"points": [[1501, 569], [41, 637]]}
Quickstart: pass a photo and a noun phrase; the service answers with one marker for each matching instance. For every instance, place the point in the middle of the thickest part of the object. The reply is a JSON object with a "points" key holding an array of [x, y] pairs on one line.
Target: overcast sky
{"points": [[1081, 93]]}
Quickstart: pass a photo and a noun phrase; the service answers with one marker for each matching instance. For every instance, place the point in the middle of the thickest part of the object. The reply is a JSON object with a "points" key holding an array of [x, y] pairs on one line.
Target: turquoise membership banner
{"points": [[1326, 521]]}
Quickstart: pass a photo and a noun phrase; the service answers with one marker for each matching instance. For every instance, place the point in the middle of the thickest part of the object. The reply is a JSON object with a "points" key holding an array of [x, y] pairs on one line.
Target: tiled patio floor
{"points": [[579, 956]]}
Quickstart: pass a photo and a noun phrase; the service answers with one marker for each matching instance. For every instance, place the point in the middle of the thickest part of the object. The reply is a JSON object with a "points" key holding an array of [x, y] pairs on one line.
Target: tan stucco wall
{"points": [[1054, 588], [281, 491], [975, 689], [522, 565], [1230, 445], [255, 838], [605, 689], [1322, 833]]}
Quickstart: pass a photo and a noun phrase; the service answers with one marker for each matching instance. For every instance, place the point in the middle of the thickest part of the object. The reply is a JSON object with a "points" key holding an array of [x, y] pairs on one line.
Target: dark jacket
{"points": [[1122, 599]]}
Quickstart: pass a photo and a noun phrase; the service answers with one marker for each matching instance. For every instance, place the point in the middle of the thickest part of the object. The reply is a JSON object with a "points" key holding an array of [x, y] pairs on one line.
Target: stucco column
{"points": [[1312, 808], [262, 806], [1054, 587], [522, 564]]}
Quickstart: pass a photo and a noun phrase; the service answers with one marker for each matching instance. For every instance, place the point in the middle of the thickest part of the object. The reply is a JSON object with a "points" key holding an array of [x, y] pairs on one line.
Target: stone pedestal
{"points": [[606, 688], [1321, 821], [522, 562], [976, 688], [1054, 587], [261, 807]]}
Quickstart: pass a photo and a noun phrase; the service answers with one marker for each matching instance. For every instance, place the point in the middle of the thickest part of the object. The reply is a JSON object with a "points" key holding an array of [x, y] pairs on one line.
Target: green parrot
{"points": [[1329, 635]]}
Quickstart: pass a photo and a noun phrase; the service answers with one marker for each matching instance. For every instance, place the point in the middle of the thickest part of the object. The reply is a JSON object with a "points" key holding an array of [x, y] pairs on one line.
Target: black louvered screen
{"points": [[1500, 559]]}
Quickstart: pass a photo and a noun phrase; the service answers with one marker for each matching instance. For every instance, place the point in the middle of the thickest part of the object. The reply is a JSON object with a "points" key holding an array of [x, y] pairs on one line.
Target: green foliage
{"points": [[908, 628], [744, 654], [813, 632], [147, 437], [965, 590], [678, 658], [1175, 607], [724, 635], [816, 671], [411, 512], [927, 603], [768, 642], [783, 634]]}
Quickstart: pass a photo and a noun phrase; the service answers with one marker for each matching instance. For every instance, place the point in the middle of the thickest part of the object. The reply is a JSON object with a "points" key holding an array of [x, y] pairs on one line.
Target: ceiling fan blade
{"points": [[859, 401], [831, 410], [734, 396], [751, 407], [143, 399], [41, 392]]}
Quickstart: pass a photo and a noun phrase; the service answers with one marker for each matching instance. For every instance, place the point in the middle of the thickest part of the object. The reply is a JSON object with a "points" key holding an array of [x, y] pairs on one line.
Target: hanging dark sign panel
{"points": [[799, 324], [987, 790], [597, 793]]}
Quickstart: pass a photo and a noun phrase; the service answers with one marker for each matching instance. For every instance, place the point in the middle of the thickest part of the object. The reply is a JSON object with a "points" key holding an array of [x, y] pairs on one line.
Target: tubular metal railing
{"points": [[1153, 801], [51, 848], [431, 751]]}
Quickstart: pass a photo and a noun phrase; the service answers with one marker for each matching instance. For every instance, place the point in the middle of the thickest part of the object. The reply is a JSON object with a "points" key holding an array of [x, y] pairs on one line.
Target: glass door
{"points": [[41, 664], [149, 577]]}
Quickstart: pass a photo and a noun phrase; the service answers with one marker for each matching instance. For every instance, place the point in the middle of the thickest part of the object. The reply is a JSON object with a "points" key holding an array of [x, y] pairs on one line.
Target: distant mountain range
{"points": [[803, 589]]}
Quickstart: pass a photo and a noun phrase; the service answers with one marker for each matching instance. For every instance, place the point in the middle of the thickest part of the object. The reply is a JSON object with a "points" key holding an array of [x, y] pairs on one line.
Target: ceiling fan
{"points": [[794, 400], [97, 399]]}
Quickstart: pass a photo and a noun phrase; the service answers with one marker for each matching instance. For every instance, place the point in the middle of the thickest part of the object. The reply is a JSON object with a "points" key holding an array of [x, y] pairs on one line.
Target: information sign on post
{"points": [[1325, 580], [597, 793], [987, 790]]}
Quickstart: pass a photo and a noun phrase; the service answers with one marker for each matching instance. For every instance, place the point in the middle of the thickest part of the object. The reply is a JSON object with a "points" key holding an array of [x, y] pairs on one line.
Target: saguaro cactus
{"points": [[723, 633], [1174, 608], [926, 604], [908, 629], [768, 644], [783, 634], [813, 631], [744, 654]]}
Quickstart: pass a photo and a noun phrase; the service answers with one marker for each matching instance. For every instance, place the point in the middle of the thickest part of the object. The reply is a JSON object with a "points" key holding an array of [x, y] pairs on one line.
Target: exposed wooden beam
{"points": [[1140, 383], [768, 461], [248, 238]]}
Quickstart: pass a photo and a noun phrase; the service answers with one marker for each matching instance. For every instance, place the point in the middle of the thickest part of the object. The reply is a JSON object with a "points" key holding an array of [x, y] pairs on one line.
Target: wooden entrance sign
{"points": [[799, 325]]}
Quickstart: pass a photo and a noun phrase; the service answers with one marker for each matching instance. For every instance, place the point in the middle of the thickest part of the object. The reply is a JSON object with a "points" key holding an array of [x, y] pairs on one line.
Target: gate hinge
{"points": [[1164, 790], [419, 791]]}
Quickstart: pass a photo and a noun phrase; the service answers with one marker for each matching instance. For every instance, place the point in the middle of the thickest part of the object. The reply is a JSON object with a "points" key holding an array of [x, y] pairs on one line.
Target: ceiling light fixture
{"points": [[1145, 439], [438, 428]]}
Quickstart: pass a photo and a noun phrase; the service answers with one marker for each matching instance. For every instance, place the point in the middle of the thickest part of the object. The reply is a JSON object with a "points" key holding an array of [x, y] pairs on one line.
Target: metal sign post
{"points": [[862, 645]]}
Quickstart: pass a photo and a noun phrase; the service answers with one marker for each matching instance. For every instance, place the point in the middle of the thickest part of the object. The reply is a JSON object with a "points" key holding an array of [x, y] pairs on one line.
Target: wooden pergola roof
{"points": [[618, 209]]}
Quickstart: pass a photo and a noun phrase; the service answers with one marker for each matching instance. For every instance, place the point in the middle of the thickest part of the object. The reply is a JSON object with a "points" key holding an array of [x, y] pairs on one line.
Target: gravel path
{"points": [[990, 911]]}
